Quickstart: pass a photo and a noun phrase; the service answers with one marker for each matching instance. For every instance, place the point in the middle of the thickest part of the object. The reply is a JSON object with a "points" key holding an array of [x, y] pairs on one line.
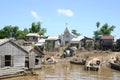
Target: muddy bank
{"points": [[102, 55]]}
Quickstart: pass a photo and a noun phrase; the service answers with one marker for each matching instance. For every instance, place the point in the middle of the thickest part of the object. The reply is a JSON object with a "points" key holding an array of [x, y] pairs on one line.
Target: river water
{"points": [[66, 71]]}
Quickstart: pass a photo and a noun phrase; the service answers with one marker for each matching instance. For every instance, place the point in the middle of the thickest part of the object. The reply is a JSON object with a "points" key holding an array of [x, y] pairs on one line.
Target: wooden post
{"points": [[31, 61]]}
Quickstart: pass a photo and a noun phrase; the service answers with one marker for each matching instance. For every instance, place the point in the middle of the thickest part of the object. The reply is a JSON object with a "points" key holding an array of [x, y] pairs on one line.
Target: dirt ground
{"points": [[102, 55]]}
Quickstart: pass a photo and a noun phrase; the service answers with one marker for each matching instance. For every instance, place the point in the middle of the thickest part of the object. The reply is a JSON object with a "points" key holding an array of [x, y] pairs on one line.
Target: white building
{"points": [[66, 37]]}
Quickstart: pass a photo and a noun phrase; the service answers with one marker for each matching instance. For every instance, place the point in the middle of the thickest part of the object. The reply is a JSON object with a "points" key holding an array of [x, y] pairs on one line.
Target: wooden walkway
{"points": [[11, 71]]}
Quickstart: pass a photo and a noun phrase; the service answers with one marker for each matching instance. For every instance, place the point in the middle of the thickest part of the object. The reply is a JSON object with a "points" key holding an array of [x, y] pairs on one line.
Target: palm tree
{"points": [[106, 29], [75, 32], [98, 24]]}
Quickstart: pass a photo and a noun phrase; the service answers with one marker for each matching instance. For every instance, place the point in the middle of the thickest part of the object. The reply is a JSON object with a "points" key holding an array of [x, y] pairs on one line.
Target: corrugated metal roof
{"points": [[33, 34], [26, 49], [78, 38], [41, 40], [53, 38], [107, 37], [11, 41], [3, 41]]}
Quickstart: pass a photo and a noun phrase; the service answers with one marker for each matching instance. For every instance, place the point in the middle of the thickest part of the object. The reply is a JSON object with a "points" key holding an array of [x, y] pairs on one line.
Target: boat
{"points": [[92, 67], [115, 66], [47, 62], [78, 62], [93, 64]]}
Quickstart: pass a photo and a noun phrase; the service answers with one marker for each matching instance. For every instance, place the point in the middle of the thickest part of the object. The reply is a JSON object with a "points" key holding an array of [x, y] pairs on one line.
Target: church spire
{"points": [[66, 24], [66, 30]]}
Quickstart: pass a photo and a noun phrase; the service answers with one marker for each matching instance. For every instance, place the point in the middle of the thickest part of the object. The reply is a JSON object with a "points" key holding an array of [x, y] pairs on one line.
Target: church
{"points": [[67, 36]]}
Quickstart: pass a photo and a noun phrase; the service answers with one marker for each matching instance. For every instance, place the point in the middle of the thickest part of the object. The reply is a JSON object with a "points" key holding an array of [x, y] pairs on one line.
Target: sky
{"points": [[80, 15]]}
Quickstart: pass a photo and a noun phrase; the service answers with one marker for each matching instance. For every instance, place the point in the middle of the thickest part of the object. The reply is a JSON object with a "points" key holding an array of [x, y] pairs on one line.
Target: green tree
{"points": [[25, 32], [42, 31], [14, 30], [2, 34], [104, 30], [98, 24], [36, 28], [7, 30], [75, 32], [10, 31], [21, 34]]}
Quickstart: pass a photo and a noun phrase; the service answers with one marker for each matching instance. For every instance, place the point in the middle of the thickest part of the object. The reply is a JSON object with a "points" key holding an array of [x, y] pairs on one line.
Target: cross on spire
{"points": [[66, 24]]}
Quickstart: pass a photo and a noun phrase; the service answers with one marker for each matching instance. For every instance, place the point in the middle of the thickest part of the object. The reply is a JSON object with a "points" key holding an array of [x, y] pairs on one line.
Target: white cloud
{"points": [[66, 12], [35, 15]]}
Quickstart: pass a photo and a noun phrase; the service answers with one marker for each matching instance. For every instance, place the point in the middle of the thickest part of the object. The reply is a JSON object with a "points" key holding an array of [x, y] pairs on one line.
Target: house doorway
{"points": [[7, 60]]}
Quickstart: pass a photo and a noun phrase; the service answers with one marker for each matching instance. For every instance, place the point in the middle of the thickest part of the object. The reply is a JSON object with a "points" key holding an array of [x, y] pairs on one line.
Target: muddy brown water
{"points": [[63, 70]]}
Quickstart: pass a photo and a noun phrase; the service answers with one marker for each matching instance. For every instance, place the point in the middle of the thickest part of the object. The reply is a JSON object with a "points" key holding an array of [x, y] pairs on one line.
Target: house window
{"points": [[33, 38], [27, 62], [36, 60], [7, 60], [27, 38]]}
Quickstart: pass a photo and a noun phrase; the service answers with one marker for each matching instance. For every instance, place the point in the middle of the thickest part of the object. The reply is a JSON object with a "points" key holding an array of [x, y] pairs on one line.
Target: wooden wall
{"points": [[18, 55]]}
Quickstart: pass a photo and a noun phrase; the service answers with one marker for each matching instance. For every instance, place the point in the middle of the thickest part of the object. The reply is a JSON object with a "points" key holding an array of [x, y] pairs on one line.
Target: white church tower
{"points": [[66, 36]]}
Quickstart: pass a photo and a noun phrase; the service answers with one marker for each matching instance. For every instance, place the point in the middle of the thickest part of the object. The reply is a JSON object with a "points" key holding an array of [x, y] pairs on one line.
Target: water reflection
{"points": [[66, 71]]}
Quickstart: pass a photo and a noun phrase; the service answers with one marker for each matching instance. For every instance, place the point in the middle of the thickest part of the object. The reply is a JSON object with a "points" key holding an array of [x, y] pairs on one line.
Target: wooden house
{"points": [[66, 37], [32, 37], [107, 42], [13, 56], [107, 39], [87, 43], [33, 60], [104, 42], [76, 42], [52, 43], [41, 44]]}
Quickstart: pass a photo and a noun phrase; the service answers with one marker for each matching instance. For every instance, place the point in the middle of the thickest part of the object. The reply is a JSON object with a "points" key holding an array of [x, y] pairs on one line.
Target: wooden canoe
{"points": [[115, 66], [78, 62]]}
